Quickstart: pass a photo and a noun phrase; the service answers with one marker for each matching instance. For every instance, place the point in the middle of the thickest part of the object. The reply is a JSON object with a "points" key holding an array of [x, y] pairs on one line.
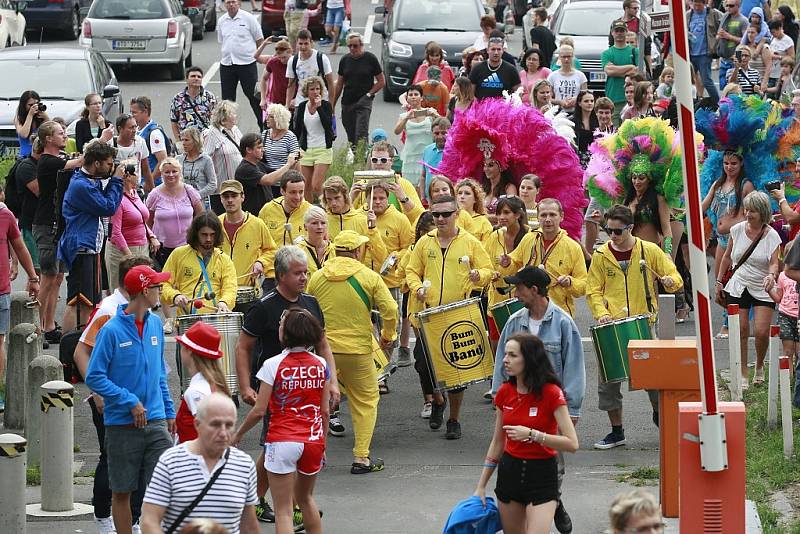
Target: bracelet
{"points": [[490, 466], [34, 280], [490, 460]]}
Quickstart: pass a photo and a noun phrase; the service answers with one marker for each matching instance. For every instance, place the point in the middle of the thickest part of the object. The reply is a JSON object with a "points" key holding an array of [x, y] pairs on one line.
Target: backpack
{"points": [[14, 197], [145, 134], [63, 178], [320, 66]]}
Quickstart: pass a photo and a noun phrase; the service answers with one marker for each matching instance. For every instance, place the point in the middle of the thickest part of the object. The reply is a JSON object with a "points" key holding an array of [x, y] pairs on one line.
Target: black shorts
{"points": [[46, 245], [527, 481], [747, 301], [84, 279], [788, 326]]}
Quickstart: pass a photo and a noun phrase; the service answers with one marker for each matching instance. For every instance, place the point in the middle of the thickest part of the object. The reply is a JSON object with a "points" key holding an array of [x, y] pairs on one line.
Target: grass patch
{"points": [[641, 476], [340, 166], [33, 476], [767, 470]]}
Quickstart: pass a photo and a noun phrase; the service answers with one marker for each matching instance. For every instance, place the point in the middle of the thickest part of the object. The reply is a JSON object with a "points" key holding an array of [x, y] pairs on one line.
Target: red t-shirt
{"points": [[230, 228], [530, 411], [8, 232], [278, 83], [297, 378]]}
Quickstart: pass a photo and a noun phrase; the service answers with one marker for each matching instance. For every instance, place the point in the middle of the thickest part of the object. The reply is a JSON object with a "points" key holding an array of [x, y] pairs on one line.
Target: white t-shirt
{"points": [[238, 36], [779, 46], [566, 85], [306, 68], [314, 130], [137, 150], [198, 390], [751, 274], [157, 141], [534, 325], [334, 4]]}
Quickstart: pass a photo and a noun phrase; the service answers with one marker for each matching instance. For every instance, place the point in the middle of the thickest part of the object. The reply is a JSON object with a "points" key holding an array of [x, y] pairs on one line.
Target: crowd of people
{"points": [[153, 226]]}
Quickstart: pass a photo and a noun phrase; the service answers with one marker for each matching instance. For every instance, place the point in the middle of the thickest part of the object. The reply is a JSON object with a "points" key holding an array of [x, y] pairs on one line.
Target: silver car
{"points": [[142, 32]]}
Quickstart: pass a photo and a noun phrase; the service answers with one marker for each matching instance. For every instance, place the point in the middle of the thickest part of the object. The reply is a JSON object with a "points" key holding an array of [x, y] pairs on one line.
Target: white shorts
{"points": [[284, 457]]}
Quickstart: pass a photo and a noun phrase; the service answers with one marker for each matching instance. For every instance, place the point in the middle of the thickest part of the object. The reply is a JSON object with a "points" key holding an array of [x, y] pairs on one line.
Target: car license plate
{"points": [[128, 45], [599, 76]]}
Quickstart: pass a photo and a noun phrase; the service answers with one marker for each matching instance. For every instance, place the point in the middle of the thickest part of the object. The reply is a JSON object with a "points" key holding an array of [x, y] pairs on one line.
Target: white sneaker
{"points": [[169, 326], [105, 525], [136, 529], [426, 410]]}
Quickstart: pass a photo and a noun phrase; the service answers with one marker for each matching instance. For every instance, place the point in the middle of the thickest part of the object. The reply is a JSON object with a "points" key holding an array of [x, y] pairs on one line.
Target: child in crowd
{"points": [[782, 90], [784, 293], [665, 82]]}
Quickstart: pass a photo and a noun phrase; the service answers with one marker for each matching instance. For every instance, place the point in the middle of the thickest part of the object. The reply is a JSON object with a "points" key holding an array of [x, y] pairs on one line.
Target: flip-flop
{"points": [[721, 335], [372, 467]]}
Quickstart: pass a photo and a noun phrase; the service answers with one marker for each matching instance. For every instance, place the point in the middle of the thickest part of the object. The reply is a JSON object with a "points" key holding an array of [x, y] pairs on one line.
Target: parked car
{"points": [[203, 14], [272, 17], [411, 24], [12, 23], [62, 77], [146, 32], [63, 16]]}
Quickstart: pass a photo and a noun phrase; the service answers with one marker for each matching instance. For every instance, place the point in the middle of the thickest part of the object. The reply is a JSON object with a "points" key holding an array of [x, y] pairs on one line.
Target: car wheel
{"points": [[73, 31], [198, 34], [388, 96], [211, 25], [177, 70]]}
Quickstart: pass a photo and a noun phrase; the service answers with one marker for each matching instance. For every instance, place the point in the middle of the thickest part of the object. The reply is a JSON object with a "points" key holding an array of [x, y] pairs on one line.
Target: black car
{"points": [[203, 14], [410, 24], [63, 16]]}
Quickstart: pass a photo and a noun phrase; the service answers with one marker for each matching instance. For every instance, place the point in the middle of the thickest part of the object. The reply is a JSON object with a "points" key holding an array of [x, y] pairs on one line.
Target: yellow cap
{"points": [[349, 240]]}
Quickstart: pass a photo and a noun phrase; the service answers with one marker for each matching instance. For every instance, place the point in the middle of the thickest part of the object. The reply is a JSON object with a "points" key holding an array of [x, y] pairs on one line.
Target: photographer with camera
{"points": [[790, 214], [130, 235], [86, 201], [748, 78], [31, 113]]}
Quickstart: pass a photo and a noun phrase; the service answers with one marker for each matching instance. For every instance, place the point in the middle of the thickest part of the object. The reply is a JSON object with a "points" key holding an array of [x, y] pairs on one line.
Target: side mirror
{"points": [[191, 11], [380, 10], [110, 91], [379, 28], [84, 11]]}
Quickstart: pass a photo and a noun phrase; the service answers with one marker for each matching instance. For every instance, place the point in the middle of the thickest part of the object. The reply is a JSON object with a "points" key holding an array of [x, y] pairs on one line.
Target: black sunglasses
{"points": [[442, 214], [615, 231], [380, 160]]}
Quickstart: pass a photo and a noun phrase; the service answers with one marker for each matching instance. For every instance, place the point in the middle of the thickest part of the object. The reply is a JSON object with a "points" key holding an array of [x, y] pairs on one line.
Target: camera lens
{"points": [[42, 106], [130, 168]]}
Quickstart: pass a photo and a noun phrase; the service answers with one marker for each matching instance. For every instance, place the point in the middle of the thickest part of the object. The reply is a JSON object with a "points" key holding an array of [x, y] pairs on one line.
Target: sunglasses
{"points": [[616, 231], [730, 5], [496, 40], [442, 214], [380, 160]]}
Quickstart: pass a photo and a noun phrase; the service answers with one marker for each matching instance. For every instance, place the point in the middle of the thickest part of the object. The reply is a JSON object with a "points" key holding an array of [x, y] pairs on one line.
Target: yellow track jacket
{"points": [[396, 233], [356, 220], [347, 311], [563, 257], [609, 289], [495, 248], [449, 278], [410, 191], [276, 220], [252, 242], [315, 263], [187, 278], [478, 225]]}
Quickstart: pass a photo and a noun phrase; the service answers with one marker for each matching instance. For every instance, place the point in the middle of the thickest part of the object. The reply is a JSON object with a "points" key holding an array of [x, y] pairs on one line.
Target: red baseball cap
{"points": [[143, 276], [202, 339]]}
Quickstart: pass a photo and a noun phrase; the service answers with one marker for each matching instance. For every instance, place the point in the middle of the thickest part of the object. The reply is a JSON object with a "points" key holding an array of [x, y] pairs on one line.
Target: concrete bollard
{"points": [[44, 368], [22, 311], [786, 405], [735, 352], [23, 347], [666, 317], [57, 443], [12, 490], [775, 349]]}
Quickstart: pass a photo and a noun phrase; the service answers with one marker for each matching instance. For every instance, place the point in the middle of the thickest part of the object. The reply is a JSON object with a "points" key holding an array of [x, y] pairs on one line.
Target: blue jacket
{"points": [[471, 517], [562, 342], [126, 369], [84, 203]]}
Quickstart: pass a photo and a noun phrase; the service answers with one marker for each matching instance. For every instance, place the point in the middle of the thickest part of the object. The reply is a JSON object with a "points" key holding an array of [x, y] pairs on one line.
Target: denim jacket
{"points": [[562, 342]]}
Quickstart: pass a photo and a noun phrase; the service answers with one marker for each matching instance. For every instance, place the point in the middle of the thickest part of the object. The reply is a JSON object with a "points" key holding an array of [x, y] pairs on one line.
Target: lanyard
{"points": [[206, 279]]}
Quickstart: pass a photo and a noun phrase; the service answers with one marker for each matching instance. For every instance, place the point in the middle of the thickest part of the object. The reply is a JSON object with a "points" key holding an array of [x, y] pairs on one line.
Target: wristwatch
{"points": [[370, 95]]}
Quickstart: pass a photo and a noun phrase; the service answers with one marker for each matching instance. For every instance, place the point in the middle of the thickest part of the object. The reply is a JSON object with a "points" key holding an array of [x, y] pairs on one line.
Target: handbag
{"points": [[722, 298], [188, 510]]}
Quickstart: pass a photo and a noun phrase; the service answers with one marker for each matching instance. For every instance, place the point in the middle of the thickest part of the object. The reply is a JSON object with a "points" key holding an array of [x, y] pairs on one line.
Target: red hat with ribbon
{"points": [[202, 339]]}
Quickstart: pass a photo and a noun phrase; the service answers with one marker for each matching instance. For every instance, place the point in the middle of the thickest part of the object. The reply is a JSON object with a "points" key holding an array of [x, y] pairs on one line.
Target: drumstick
{"points": [[551, 275], [464, 260], [623, 311], [425, 286], [643, 263], [245, 275], [371, 196]]}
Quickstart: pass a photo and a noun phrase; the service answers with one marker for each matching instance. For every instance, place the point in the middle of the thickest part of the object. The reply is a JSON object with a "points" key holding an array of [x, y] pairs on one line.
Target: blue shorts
{"points": [[334, 16], [5, 313]]}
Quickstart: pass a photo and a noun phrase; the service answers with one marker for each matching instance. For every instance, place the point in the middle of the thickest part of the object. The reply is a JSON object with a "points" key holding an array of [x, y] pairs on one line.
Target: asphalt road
{"points": [[425, 474]]}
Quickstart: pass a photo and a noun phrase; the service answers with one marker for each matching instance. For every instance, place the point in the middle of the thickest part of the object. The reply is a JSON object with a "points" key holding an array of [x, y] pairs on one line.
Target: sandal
{"points": [[722, 335], [758, 377], [682, 314], [372, 467], [383, 387]]}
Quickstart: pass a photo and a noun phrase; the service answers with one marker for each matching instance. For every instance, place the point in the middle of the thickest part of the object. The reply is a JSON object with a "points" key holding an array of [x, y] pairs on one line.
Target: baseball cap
{"points": [[619, 25], [434, 73], [142, 276], [202, 339], [530, 277], [349, 240], [231, 185], [379, 134]]}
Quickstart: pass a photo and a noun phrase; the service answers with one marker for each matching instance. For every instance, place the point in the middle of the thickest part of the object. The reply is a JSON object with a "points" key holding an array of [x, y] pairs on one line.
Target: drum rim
{"points": [[645, 316], [447, 307], [504, 303]]}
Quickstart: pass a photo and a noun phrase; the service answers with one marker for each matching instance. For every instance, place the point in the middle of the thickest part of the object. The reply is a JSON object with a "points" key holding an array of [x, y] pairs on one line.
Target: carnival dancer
{"points": [[621, 283], [348, 291], [436, 274]]}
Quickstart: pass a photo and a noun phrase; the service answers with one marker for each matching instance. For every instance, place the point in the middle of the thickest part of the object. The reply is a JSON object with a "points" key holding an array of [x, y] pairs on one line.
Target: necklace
{"points": [[489, 66]]}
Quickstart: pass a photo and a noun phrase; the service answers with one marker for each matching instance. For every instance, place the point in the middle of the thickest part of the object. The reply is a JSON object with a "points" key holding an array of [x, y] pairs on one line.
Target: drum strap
{"points": [[206, 279], [648, 297], [360, 291]]}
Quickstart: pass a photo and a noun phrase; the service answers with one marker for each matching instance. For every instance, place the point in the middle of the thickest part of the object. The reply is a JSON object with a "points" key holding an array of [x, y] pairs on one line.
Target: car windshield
{"points": [[438, 15], [122, 10], [587, 21], [61, 79]]}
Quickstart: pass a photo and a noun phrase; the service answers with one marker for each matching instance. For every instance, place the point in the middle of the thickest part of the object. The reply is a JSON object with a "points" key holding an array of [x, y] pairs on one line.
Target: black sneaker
{"points": [[562, 520], [264, 512], [453, 430], [610, 441], [335, 426], [437, 415], [53, 336]]}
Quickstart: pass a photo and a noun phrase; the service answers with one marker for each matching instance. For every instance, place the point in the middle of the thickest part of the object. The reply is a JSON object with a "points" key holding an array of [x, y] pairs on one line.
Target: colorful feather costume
{"points": [[640, 146], [787, 154], [522, 140]]}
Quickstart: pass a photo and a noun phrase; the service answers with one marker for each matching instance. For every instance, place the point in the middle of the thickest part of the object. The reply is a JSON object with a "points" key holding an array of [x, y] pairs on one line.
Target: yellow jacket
{"points": [[187, 278], [396, 233], [347, 311], [276, 220], [563, 257], [315, 263], [411, 192], [448, 276], [495, 248], [609, 289], [252, 242], [478, 225], [356, 220]]}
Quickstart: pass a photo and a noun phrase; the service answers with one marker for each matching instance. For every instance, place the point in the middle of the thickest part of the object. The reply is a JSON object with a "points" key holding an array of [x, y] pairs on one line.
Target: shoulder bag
{"points": [[722, 299]]}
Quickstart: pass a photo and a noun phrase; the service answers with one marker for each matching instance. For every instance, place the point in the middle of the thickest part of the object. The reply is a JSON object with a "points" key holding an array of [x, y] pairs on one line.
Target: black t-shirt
{"points": [[546, 41], [264, 316], [255, 194], [25, 174], [491, 83], [47, 171], [359, 75]]}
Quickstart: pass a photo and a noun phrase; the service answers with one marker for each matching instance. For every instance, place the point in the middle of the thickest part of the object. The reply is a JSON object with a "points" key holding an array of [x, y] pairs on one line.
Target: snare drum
{"points": [[228, 325], [382, 364], [245, 297], [611, 345], [503, 310], [456, 344]]}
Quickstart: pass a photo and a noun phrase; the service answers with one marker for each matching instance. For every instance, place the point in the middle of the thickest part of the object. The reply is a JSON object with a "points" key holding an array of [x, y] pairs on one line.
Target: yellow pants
{"points": [[359, 381]]}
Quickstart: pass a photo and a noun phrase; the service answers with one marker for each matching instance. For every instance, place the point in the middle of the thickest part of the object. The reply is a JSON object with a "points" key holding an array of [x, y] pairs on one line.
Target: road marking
{"points": [[368, 29], [374, 2], [212, 71]]}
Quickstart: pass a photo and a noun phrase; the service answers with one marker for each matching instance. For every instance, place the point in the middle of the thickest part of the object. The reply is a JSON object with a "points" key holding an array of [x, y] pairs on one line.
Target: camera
{"points": [[41, 106], [130, 169], [772, 186]]}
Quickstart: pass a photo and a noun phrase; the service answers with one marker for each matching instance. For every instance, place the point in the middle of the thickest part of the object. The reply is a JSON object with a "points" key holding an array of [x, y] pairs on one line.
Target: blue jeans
{"points": [[724, 66], [702, 64]]}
